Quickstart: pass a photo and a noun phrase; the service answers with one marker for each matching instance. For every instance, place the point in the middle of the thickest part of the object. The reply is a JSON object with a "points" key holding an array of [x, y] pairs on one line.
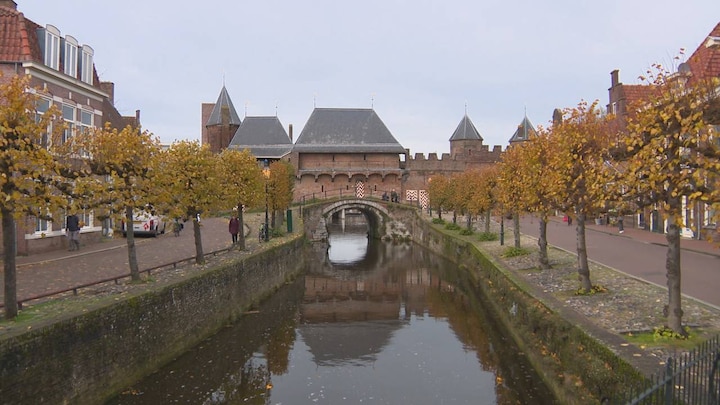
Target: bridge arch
{"points": [[382, 223]]}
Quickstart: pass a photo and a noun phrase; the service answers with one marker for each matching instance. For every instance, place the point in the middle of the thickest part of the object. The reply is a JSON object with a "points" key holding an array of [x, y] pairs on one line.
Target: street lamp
{"points": [[266, 173]]}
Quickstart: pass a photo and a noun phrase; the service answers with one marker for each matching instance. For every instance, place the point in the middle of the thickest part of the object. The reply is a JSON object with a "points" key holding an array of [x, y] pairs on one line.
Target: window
{"points": [[52, 47], [70, 58], [68, 112], [42, 225], [86, 217], [86, 65], [42, 105]]}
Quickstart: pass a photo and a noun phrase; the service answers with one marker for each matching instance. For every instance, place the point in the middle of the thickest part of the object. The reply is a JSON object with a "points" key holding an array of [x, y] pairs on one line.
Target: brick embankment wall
{"points": [[88, 358], [576, 366]]}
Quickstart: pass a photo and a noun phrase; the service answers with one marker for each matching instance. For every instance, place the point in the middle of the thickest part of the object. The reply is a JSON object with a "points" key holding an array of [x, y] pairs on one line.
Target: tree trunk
{"points": [[130, 238], [454, 217], [241, 225], [10, 267], [673, 311], [272, 219], [439, 210], [199, 255], [582, 257], [487, 221], [542, 244], [516, 229]]}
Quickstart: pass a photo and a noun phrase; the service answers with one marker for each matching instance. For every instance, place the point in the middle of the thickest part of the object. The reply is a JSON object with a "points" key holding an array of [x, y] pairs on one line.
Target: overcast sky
{"points": [[420, 64]]}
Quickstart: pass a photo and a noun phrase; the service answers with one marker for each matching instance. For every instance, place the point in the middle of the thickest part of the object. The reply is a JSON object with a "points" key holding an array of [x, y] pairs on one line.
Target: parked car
{"points": [[146, 223]]}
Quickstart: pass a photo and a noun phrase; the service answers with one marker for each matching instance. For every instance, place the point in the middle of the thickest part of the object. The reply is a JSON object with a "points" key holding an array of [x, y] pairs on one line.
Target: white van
{"points": [[146, 223]]}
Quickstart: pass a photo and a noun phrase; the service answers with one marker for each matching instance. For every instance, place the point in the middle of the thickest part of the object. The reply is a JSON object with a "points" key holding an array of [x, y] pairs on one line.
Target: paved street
{"points": [[54, 271], [638, 253]]}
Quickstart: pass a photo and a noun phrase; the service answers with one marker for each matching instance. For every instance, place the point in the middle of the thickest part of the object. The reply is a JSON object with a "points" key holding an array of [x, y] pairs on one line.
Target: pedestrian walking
{"points": [[621, 229], [72, 230], [569, 221], [234, 228], [393, 196]]}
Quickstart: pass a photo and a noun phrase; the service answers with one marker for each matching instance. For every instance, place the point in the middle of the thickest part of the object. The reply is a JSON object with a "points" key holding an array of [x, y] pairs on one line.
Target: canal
{"points": [[369, 322]]}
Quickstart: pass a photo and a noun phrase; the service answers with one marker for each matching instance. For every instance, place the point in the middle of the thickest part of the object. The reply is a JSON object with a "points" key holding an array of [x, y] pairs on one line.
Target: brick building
{"points": [[348, 151], [703, 63], [62, 73]]}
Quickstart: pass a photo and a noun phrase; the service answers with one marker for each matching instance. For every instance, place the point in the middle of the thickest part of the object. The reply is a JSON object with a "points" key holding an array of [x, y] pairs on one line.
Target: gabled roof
{"points": [[705, 61], [466, 131], [524, 131], [265, 137], [346, 130], [18, 37], [223, 101]]}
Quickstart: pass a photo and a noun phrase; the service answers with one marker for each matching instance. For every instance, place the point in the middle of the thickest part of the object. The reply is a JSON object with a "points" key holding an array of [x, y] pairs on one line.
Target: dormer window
{"points": [[70, 57], [52, 47], [86, 65]]}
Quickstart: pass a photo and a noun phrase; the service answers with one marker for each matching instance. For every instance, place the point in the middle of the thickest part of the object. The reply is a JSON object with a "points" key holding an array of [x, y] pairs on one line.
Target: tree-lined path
{"points": [[639, 253]]}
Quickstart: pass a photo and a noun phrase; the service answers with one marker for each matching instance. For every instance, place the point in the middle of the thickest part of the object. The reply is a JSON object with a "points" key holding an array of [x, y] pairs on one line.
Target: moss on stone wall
{"points": [[87, 358], [574, 365]]}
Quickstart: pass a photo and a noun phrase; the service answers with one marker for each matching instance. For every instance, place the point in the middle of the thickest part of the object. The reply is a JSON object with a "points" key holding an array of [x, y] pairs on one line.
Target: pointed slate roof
{"points": [[346, 130], [216, 114], [265, 137], [524, 131], [466, 131]]}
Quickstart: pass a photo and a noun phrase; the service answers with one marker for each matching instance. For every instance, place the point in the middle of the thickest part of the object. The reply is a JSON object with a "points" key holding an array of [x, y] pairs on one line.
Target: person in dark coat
{"points": [[234, 228], [72, 228]]}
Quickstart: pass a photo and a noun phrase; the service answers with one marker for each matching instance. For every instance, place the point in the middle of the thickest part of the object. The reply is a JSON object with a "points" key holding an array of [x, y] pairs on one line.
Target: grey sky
{"points": [[418, 63]]}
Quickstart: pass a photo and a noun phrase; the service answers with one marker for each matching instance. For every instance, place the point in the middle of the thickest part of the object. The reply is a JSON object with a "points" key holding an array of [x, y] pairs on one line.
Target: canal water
{"points": [[370, 322]]}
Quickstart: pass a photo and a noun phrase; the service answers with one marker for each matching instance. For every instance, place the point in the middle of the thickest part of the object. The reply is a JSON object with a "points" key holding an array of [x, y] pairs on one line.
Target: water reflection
{"points": [[348, 240], [395, 326]]}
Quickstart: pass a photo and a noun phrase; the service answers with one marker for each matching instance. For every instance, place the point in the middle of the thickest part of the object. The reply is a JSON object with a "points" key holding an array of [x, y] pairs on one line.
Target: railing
{"points": [[694, 379], [115, 279], [340, 193]]}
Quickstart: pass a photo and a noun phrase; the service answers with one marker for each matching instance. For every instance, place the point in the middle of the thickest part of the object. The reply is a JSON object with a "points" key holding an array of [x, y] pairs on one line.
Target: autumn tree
{"points": [[192, 175], [484, 195], [281, 186], [30, 174], [439, 193], [242, 182], [580, 175], [536, 175], [466, 184], [122, 180], [511, 185], [672, 156]]}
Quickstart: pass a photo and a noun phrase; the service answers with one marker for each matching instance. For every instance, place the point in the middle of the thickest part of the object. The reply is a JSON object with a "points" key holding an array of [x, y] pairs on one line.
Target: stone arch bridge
{"points": [[385, 220]]}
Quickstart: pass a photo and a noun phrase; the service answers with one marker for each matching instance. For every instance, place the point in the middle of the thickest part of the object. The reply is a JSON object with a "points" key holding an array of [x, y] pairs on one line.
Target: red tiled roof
{"points": [[705, 61], [18, 37], [634, 93]]}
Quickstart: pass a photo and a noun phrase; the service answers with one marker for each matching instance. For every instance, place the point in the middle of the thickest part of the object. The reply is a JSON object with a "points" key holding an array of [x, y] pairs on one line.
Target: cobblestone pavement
{"points": [[629, 305], [58, 270]]}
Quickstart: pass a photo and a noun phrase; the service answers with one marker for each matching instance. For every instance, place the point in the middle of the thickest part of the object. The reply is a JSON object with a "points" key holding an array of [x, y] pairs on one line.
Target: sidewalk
{"points": [[699, 246], [49, 272]]}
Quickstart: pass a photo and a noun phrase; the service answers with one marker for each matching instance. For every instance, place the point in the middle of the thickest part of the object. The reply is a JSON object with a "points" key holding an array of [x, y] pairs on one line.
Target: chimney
{"points": [[9, 4], [109, 88], [137, 118], [614, 78], [290, 132]]}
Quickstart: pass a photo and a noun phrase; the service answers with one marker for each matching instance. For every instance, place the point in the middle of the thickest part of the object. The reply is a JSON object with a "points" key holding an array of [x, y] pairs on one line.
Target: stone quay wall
{"points": [[568, 352], [88, 358]]}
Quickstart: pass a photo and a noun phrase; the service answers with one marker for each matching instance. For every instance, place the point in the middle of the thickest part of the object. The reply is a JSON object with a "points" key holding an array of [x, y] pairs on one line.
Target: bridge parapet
{"points": [[385, 220]]}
